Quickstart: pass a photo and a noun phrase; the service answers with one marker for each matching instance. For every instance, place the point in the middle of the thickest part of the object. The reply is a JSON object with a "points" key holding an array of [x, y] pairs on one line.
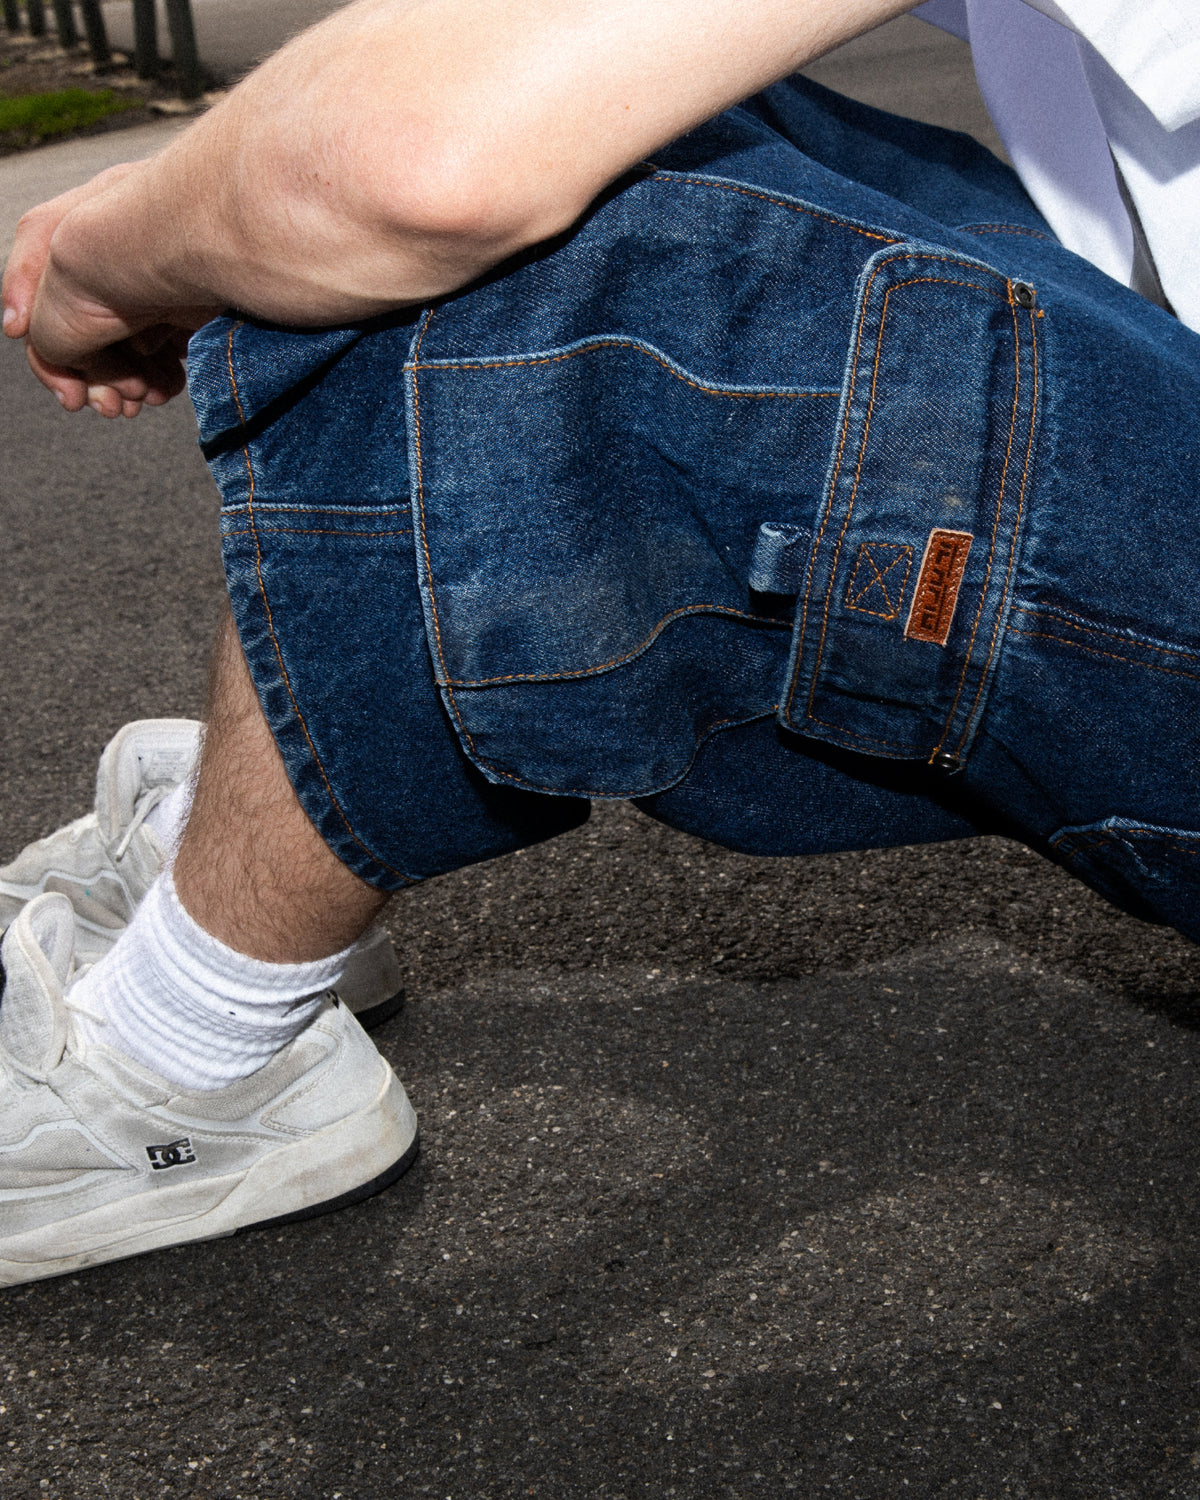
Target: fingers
{"points": [[27, 261], [32, 243], [85, 346], [147, 370], [118, 382], [24, 271]]}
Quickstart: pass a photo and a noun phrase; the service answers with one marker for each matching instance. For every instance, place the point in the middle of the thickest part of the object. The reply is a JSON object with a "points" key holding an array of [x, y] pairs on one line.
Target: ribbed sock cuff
{"points": [[182, 1003]]}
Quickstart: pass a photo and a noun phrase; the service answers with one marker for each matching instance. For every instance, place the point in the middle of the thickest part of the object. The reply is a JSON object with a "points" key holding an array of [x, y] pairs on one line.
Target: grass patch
{"points": [[38, 117]]}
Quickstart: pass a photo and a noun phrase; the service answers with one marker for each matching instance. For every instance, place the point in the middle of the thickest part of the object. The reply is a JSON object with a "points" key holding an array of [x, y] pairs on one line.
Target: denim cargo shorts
{"points": [[808, 492]]}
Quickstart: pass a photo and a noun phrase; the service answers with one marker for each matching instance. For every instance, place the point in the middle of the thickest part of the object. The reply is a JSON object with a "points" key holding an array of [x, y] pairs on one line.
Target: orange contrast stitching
{"points": [[323, 510], [799, 208], [837, 467], [1012, 554], [1004, 229], [1074, 622], [447, 681], [617, 661], [1149, 666], [437, 628], [987, 576], [271, 622], [1104, 840], [451, 682], [304, 531], [854, 601], [904, 752], [862, 452], [534, 786], [611, 343]]}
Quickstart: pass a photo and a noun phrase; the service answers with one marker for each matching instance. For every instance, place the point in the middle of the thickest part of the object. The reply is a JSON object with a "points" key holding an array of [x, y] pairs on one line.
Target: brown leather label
{"points": [[942, 567]]}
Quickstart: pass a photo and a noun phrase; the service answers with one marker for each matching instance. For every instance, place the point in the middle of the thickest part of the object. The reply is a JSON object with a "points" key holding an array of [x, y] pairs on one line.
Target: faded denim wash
{"points": [[808, 492]]}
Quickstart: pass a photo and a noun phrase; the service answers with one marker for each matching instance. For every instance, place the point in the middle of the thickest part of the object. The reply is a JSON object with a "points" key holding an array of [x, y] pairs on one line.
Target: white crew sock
{"points": [[167, 819], [177, 1000]]}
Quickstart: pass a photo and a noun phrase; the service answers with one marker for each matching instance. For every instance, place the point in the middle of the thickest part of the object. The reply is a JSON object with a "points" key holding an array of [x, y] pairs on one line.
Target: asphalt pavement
{"points": [[864, 1176]]}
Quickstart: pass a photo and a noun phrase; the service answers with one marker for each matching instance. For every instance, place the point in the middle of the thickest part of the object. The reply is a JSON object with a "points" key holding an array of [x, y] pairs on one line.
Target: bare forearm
{"points": [[404, 146]]}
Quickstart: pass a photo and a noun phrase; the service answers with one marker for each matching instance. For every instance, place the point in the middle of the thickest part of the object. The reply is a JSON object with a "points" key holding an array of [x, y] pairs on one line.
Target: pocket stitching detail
{"points": [[408, 879]]}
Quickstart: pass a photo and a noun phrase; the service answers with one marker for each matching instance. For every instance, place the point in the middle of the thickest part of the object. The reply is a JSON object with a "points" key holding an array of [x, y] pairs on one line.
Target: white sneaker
{"points": [[104, 862], [100, 1158]]}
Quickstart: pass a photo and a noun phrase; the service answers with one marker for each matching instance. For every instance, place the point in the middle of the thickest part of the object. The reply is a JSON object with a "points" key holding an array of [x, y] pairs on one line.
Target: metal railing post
{"points": [[97, 34], [64, 21], [145, 38], [183, 48], [36, 11]]}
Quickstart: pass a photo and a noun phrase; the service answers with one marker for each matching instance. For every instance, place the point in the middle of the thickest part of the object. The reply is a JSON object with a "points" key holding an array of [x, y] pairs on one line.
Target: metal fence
{"points": [[68, 14]]}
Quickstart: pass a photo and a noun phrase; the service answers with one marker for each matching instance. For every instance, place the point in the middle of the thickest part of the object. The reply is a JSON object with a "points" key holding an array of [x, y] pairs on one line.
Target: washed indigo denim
{"points": [[807, 492]]}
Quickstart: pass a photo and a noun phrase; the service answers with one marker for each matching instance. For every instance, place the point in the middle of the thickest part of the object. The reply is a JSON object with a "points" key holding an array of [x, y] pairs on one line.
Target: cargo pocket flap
{"points": [[910, 572]]}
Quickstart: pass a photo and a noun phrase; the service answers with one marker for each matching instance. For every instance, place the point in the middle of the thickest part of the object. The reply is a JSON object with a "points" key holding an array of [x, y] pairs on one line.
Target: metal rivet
{"points": [[944, 761], [1024, 294]]}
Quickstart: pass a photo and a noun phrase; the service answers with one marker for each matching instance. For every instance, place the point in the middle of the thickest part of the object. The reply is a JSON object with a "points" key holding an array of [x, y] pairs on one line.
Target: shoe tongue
{"points": [[145, 754], [39, 954]]}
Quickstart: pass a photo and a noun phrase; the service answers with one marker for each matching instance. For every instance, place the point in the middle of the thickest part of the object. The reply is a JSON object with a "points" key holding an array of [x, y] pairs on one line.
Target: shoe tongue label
{"points": [[165, 766]]}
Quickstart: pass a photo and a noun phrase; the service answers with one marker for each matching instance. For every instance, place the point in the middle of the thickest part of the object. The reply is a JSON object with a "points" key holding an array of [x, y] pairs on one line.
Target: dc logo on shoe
{"points": [[173, 1154]]}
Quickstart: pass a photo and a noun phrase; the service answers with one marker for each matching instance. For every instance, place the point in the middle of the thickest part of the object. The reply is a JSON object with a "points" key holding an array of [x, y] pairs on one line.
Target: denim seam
{"points": [[273, 508], [1087, 627], [449, 683], [308, 531], [618, 661], [893, 611], [1103, 840], [618, 343], [271, 621], [837, 469], [897, 750], [861, 459], [534, 786], [1036, 234], [746, 192], [1147, 666], [1016, 528], [433, 609]]}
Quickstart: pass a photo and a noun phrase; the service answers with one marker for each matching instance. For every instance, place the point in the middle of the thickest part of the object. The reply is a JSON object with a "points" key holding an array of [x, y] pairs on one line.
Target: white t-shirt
{"points": [[1073, 87]]}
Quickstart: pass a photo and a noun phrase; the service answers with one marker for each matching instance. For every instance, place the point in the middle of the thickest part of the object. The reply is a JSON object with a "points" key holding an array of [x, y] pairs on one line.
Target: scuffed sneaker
{"points": [[101, 1159], [106, 861]]}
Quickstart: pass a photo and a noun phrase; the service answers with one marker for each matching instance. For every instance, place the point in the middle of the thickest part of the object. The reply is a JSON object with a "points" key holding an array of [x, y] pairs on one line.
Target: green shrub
{"points": [[36, 117]]}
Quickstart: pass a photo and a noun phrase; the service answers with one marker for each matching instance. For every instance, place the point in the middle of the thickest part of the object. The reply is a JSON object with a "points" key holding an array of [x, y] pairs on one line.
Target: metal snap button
{"points": [[947, 763], [1023, 294]]}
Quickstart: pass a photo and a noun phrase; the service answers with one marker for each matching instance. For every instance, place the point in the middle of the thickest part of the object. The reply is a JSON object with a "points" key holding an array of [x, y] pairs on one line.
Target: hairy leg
{"points": [[251, 869]]}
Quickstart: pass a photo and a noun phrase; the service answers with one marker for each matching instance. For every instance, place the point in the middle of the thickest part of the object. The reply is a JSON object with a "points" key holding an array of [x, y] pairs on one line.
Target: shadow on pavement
{"points": [[867, 1175]]}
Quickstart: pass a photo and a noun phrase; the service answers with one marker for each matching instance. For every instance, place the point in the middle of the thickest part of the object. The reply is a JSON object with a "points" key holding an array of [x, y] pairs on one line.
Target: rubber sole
{"points": [[344, 1200], [388, 1125], [375, 1016]]}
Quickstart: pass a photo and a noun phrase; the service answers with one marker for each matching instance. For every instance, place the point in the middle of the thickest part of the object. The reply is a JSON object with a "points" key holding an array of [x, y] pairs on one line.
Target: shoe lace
{"points": [[72, 1002], [146, 804]]}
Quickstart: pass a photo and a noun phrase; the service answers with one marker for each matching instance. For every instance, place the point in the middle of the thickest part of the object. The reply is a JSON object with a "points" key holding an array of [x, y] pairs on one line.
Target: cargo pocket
{"points": [[1152, 872], [585, 518], [910, 576]]}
